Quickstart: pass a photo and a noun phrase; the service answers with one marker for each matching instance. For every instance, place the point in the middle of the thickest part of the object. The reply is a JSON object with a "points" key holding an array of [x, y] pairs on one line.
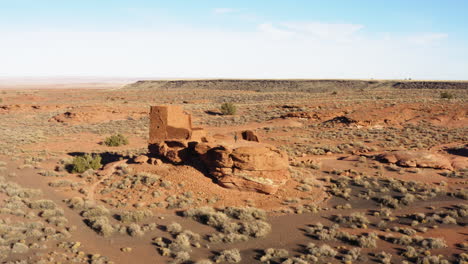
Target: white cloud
{"points": [[221, 11], [427, 38], [325, 31], [274, 32], [317, 30]]}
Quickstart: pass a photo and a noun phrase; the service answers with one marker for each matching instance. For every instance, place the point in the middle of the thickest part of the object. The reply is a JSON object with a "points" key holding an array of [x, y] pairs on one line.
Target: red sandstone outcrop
{"points": [[246, 165], [259, 168], [423, 159]]}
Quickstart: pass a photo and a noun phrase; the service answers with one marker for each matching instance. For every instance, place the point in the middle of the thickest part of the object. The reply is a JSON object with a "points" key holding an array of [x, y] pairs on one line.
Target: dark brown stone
{"points": [[249, 135]]}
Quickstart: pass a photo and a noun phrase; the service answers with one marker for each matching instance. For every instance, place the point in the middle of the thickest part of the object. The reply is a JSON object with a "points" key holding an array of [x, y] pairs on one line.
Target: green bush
{"points": [[116, 140], [83, 163], [228, 109], [446, 95]]}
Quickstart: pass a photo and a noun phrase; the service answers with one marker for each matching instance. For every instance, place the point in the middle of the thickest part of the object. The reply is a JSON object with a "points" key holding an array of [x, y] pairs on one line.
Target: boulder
{"points": [[423, 159], [175, 151], [249, 135], [141, 159], [259, 158], [155, 161], [258, 168]]}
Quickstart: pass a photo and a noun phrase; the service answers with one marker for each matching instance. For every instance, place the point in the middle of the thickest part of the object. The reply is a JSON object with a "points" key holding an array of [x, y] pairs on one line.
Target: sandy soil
{"points": [[333, 130]]}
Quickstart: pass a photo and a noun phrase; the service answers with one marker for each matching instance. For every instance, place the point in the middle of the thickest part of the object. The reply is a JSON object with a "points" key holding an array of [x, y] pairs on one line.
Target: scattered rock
{"points": [[344, 120], [176, 151], [126, 249], [155, 161], [141, 159], [110, 167], [64, 117], [423, 159]]}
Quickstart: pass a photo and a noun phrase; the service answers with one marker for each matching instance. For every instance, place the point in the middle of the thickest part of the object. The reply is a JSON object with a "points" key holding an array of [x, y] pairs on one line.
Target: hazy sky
{"points": [[419, 39]]}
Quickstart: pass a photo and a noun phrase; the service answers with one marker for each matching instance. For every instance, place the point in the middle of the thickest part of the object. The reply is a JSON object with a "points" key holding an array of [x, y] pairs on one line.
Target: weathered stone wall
{"points": [[169, 122]]}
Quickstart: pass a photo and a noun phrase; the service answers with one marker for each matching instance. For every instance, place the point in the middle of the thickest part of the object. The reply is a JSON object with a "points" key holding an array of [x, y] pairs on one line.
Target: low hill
{"points": [[294, 85]]}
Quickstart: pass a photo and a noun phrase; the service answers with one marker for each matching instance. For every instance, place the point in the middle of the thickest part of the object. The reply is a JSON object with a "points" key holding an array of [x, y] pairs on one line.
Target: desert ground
{"points": [[377, 173]]}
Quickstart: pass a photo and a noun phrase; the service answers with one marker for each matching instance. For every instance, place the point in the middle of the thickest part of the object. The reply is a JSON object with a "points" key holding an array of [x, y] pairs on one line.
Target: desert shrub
{"points": [[388, 201], [95, 212], [367, 240], [116, 140], [229, 256], [320, 232], [384, 257], [134, 230], [295, 260], [434, 260], [83, 163], [352, 255], [323, 250], [50, 173], [47, 213], [228, 109], [178, 201], [247, 213], [180, 257], [410, 252], [194, 238], [227, 238], [433, 243], [446, 95], [254, 228], [386, 212], [273, 253], [208, 216], [449, 220], [134, 216], [174, 228], [354, 220], [180, 244], [77, 203], [462, 258], [462, 194], [232, 230], [101, 225], [42, 204], [427, 243]]}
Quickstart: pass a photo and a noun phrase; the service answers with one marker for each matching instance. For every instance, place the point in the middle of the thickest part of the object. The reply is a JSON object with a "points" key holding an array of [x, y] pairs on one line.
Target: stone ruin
{"points": [[243, 164]]}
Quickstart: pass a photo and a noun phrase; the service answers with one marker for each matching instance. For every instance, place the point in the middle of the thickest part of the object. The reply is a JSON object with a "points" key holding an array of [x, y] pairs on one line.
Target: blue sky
{"points": [[252, 39]]}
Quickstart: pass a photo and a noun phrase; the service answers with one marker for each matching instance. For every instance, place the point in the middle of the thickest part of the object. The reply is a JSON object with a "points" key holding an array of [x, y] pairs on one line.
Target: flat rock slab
{"points": [[422, 159]]}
